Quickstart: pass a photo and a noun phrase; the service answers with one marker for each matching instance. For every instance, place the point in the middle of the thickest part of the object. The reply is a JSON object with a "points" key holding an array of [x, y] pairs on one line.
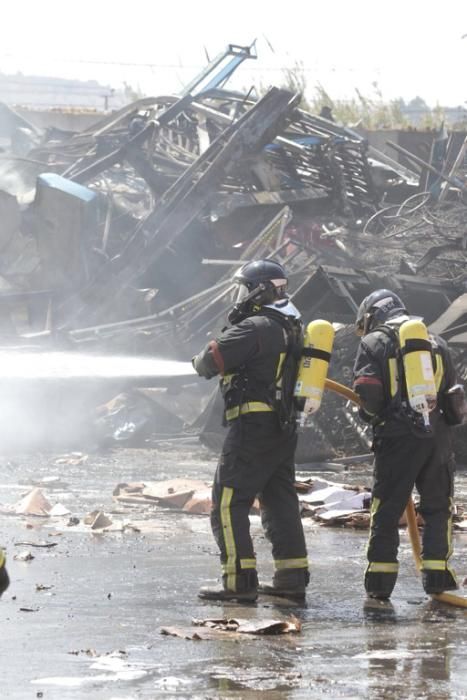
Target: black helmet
{"points": [[377, 308], [258, 283], [268, 276]]}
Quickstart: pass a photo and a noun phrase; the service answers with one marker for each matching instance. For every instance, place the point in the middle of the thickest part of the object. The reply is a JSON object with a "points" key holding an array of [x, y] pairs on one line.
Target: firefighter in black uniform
{"points": [[406, 452], [257, 359], [4, 580]]}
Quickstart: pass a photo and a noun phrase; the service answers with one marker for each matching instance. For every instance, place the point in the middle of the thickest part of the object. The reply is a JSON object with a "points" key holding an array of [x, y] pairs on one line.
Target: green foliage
{"points": [[432, 119], [368, 111]]}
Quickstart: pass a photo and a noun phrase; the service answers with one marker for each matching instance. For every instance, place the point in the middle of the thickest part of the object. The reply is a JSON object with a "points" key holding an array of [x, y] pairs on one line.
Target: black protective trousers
{"points": [[257, 460], [400, 463]]}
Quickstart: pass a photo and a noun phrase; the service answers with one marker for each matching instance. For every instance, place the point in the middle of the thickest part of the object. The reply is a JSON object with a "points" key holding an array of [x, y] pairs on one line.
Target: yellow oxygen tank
{"points": [[418, 367], [313, 368]]}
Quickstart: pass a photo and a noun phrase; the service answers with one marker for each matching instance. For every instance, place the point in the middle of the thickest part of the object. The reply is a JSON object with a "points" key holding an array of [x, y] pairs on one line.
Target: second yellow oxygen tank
{"points": [[314, 364], [418, 367]]}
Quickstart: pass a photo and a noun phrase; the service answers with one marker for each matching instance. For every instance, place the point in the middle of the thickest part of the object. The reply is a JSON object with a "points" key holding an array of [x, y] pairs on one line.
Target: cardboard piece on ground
{"points": [[234, 628], [199, 503], [174, 492], [129, 493], [97, 520], [34, 503]]}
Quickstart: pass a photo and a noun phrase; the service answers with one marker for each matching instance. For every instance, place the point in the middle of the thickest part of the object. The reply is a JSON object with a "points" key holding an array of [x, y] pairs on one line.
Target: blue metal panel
{"points": [[237, 53], [58, 182]]}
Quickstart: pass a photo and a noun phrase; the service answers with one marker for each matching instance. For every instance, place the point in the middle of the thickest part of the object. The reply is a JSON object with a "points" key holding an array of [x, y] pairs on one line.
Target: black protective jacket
{"points": [[257, 360]]}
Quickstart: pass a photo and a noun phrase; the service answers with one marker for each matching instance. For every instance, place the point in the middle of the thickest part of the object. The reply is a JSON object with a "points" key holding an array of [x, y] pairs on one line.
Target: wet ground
{"points": [[83, 618]]}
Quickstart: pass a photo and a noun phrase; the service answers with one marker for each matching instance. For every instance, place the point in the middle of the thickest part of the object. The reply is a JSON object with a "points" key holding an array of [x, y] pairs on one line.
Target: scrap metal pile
{"points": [[137, 224]]}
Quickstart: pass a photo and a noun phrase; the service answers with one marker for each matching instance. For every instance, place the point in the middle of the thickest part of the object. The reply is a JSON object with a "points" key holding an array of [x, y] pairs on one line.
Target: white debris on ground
{"points": [[326, 502]]}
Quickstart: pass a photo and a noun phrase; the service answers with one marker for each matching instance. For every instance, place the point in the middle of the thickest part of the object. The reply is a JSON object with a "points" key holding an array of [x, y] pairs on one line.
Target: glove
{"points": [[4, 578], [204, 364]]}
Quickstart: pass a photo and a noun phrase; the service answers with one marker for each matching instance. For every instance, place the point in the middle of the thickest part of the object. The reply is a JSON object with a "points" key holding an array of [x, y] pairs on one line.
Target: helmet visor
{"points": [[240, 292]]}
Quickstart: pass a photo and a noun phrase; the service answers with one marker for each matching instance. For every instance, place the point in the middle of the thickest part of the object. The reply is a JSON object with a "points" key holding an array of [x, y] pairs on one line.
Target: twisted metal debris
{"points": [[138, 223]]}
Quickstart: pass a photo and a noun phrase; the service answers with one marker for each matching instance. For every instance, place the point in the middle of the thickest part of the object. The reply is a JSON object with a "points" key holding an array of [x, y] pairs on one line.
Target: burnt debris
{"points": [[124, 237]]}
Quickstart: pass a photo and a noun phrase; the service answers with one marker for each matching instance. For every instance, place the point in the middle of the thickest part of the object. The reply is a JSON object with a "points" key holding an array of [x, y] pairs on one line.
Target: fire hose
{"points": [[410, 514]]}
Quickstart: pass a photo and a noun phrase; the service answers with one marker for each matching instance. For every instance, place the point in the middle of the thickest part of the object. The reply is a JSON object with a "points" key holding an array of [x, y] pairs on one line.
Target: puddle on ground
{"points": [[116, 591]]}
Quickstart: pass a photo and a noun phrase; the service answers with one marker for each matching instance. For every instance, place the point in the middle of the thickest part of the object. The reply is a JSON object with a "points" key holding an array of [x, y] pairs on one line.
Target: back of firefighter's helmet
{"points": [[377, 308]]}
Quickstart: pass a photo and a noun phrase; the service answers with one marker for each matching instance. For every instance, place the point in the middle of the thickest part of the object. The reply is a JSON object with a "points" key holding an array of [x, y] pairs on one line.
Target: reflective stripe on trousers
{"points": [[298, 563], [232, 564], [383, 567]]}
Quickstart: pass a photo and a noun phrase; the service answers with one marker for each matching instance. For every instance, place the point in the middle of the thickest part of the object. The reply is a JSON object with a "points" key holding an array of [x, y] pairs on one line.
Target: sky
{"points": [[401, 48]]}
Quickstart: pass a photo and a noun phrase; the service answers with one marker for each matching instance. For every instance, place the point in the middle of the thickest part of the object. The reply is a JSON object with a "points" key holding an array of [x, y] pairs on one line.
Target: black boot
{"points": [[287, 583], [4, 579], [379, 584], [246, 589], [438, 581]]}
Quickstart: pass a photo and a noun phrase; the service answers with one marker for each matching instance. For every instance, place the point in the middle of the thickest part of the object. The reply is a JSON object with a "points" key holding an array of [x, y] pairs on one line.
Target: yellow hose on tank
{"points": [[411, 517]]}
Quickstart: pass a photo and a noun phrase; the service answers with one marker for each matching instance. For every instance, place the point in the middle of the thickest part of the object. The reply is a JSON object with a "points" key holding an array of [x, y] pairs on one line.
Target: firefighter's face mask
{"points": [[240, 292], [248, 300]]}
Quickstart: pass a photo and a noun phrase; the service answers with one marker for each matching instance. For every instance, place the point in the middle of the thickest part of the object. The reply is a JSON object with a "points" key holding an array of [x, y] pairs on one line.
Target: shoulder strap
{"points": [[282, 388], [390, 331]]}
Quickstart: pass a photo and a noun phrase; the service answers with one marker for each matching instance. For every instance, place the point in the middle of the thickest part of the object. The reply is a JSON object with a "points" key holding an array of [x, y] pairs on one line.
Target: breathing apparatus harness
{"points": [[281, 390], [400, 404], [284, 385]]}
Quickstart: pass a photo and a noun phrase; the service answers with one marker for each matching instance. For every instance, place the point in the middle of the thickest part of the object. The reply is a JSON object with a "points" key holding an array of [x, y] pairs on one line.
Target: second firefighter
{"points": [[412, 448]]}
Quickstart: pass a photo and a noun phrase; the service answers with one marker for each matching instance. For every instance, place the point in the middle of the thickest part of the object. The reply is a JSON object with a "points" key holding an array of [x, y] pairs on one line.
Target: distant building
{"points": [[36, 92], [450, 115]]}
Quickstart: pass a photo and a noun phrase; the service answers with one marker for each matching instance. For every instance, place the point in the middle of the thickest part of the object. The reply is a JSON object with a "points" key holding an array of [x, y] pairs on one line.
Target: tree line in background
{"points": [[370, 112]]}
